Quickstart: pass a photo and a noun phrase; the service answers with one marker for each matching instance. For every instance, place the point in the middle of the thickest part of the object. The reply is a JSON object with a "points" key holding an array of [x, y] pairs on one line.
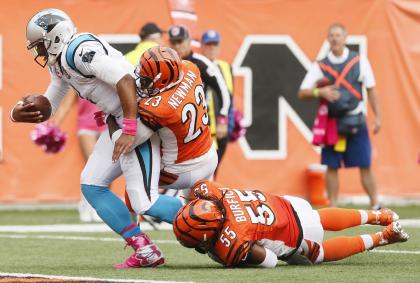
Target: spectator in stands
{"points": [[150, 36], [179, 40], [347, 73], [210, 47]]}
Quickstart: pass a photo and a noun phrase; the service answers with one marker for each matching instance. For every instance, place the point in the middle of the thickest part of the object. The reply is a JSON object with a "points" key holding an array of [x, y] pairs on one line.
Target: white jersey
{"points": [[93, 68], [84, 66]]}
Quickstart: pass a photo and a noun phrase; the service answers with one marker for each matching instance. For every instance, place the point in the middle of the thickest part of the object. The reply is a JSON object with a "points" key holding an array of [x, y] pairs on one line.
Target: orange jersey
{"points": [[179, 115], [250, 216]]}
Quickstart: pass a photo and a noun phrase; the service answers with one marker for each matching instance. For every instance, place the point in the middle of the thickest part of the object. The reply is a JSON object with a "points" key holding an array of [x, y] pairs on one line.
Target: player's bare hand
{"points": [[376, 125], [22, 113], [329, 93], [221, 131], [122, 146]]}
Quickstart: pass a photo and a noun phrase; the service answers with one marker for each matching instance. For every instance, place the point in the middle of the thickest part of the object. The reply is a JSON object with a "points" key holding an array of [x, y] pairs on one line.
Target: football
{"points": [[323, 82], [42, 104]]}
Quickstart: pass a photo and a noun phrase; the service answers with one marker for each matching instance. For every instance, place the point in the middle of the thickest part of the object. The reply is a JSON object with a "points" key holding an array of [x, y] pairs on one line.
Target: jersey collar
{"points": [[338, 60]]}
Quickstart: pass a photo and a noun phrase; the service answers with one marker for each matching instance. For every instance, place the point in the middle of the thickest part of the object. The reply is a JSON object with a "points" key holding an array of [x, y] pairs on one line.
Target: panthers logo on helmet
{"points": [[49, 21], [198, 222]]}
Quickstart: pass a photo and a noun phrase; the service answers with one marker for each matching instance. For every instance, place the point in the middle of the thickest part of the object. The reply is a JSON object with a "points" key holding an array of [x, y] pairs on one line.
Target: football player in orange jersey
{"points": [[251, 228], [173, 106], [176, 109]]}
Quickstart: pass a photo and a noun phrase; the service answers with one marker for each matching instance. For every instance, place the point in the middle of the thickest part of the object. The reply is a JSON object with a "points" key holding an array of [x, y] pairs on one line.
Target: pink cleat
{"points": [[146, 253]]}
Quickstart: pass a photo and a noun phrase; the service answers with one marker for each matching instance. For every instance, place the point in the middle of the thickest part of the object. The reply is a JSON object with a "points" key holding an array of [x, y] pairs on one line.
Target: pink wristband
{"points": [[129, 127]]}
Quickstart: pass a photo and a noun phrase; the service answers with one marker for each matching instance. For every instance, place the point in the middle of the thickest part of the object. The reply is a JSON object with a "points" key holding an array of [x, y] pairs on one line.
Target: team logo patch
{"points": [[88, 56], [175, 31], [49, 21]]}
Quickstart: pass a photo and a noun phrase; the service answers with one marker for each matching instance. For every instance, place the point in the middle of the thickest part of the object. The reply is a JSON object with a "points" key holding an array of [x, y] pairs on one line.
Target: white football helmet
{"points": [[47, 32]]}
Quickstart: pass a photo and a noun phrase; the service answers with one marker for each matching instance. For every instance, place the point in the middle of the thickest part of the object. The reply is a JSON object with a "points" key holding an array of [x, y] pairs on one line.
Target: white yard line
{"points": [[395, 252], [411, 223], [100, 227], [84, 278]]}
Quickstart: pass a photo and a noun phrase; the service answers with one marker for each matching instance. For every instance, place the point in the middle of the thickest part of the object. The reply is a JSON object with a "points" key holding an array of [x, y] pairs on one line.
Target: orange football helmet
{"points": [[197, 223], [159, 69]]}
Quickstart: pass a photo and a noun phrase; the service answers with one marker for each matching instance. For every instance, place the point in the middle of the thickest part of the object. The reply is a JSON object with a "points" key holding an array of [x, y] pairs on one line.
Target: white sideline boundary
{"points": [[343, 199], [94, 228], [86, 278], [83, 228], [75, 238], [395, 252], [384, 200]]}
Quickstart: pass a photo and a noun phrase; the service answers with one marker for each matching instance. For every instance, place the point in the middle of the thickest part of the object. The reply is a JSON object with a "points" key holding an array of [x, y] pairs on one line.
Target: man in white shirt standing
{"points": [[347, 73]]}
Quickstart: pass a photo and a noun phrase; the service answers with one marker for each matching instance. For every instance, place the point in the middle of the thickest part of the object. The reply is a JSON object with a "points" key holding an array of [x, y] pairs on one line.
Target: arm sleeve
{"points": [[56, 92], [270, 260], [92, 60], [239, 253], [213, 78], [149, 119], [366, 73], [312, 76]]}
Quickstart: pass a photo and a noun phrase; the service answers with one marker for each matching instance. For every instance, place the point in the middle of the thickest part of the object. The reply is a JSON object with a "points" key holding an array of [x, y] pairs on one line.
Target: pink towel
{"points": [[86, 117], [325, 128]]}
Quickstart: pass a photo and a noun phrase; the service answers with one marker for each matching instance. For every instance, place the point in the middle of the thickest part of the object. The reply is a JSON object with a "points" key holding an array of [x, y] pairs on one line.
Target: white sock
{"points": [[368, 241], [363, 216]]}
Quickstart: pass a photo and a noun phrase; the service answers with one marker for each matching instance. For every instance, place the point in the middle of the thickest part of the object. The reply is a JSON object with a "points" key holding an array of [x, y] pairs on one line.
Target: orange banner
{"points": [[270, 44]]}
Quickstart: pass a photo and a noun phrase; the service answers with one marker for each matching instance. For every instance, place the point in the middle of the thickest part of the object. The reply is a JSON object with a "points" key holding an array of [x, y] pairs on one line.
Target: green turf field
{"points": [[92, 255]]}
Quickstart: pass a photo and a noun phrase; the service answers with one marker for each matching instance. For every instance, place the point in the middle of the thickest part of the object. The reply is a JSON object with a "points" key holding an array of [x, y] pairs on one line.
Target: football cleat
{"points": [[146, 253], [384, 217], [393, 233]]}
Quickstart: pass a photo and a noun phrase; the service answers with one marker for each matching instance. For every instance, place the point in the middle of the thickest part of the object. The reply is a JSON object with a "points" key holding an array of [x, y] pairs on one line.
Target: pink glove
{"points": [[49, 137], [239, 130], [99, 118]]}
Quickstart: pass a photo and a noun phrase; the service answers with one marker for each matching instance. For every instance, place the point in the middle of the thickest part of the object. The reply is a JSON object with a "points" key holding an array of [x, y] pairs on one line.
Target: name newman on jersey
{"points": [[182, 91]]}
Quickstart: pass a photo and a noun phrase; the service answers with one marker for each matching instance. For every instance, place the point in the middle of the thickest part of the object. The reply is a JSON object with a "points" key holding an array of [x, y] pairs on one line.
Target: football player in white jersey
{"points": [[100, 74]]}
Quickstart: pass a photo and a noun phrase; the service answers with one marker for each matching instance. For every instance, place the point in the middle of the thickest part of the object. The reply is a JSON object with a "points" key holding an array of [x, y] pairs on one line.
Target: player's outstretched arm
{"points": [[126, 89], [22, 113], [261, 256]]}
